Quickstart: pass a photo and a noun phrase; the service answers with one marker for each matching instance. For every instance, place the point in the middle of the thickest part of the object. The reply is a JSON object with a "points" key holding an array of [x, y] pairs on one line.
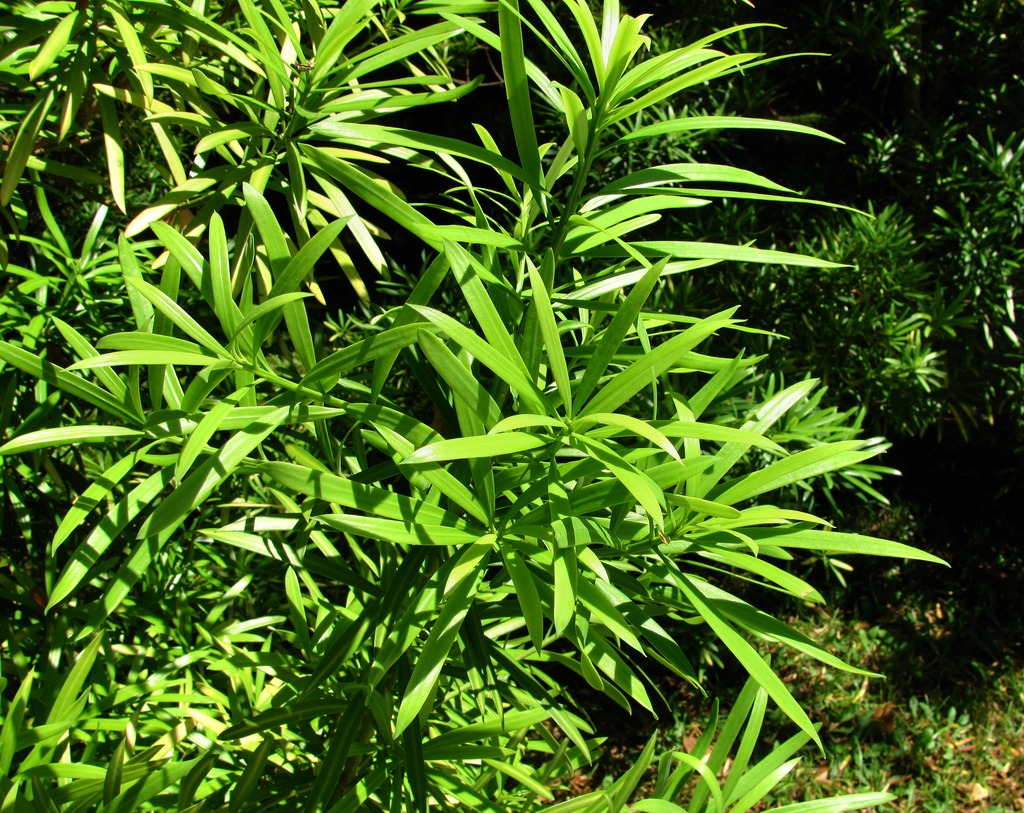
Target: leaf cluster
{"points": [[277, 584]]}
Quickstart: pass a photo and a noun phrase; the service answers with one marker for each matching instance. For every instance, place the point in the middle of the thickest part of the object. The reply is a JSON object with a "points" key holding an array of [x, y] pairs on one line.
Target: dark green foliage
{"points": [[922, 331]]}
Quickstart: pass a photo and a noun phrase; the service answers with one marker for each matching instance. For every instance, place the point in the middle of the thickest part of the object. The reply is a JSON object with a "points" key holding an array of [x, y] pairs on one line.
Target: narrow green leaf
{"points": [[369, 190], [269, 227], [494, 359], [398, 533], [129, 38], [510, 722], [92, 497], [514, 423], [522, 776], [153, 342], [301, 265], [243, 787], [766, 416], [481, 303], [464, 385], [678, 249], [565, 579], [601, 215], [604, 612], [576, 119], [53, 46], [142, 308], [748, 657], [517, 88], [767, 627], [182, 195], [73, 385], [346, 492], [434, 654], [444, 451], [193, 780], [14, 717], [351, 18], [629, 424], [792, 469], [561, 45], [363, 352], [24, 144], [210, 423], [298, 193], [115, 768], [643, 489], [701, 506], [264, 309], [664, 644], [379, 136], [114, 150], [723, 434], [611, 338], [527, 595], [610, 20], [66, 698], [656, 806], [610, 662], [661, 176], [555, 357], [804, 538], [297, 320], [78, 343], [662, 358], [210, 474], [622, 48], [591, 36], [173, 311], [106, 531], [342, 737], [410, 43], [838, 804], [440, 478], [133, 357], [469, 561], [76, 79], [64, 436], [345, 642], [216, 283], [158, 778], [664, 90], [704, 123], [179, 74]]}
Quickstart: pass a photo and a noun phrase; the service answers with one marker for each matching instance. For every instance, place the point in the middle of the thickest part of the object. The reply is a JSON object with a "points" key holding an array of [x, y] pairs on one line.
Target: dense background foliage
{"points": [[922, 329], [395, 448]]}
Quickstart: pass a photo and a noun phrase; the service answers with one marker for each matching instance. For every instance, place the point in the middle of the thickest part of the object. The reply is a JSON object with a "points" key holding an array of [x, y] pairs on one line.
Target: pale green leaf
{"points": [[792, 469], [53, 46], [64, 436]]}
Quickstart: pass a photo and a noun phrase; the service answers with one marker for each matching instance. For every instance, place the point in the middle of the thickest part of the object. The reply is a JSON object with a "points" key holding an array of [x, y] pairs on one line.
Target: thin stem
{"points": [[580, 177]]}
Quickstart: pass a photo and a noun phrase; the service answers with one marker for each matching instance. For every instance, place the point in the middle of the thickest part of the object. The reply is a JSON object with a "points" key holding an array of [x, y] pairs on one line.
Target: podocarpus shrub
{"points": [[281, 587]]}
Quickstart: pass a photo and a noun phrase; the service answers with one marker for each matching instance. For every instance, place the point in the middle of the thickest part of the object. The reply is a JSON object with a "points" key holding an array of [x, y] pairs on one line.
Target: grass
{"points": [[948, 748]]}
